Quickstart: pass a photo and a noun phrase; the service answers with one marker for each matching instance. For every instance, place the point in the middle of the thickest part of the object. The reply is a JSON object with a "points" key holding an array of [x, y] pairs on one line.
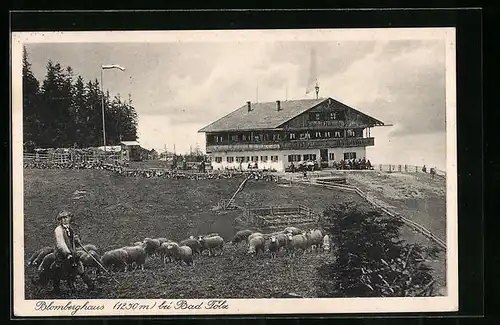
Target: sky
{"points": [[179, 87]]}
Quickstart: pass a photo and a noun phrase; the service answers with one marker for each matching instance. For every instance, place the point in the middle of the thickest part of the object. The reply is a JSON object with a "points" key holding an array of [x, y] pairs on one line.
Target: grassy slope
{"points": [[116, 211]]}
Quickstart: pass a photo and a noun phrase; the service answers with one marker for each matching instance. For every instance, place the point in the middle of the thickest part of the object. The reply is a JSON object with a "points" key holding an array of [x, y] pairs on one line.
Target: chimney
{"points": [[249, 106], [278, 105]]}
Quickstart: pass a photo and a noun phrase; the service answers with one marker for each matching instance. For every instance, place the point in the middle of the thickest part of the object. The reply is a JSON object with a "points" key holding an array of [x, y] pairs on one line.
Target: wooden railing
{"points": [[407, 169], [292, 144]]}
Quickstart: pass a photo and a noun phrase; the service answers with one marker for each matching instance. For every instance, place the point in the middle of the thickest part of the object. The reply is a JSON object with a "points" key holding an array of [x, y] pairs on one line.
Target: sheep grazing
{"points": [[89, 262], [47, 262], [274, 246], [182, 253], [212, 244], [90, 247], [162, 240], [255, 234], [194, 244], [297, 242], [241, 236], [166, 252], [256, 244], [38, 256], [136, 256], [292, 230], [315, 239], [282, 240], [326, 243], [115, 259], [151, 245], [138, 243]]}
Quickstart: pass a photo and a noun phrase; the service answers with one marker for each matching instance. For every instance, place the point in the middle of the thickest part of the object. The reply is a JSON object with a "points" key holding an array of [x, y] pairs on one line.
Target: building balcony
{"points": [[291, 144]]}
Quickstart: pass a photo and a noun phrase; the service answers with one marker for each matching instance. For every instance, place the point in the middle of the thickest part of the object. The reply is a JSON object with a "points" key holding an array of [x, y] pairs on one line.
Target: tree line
{"points": [[65, 111]]}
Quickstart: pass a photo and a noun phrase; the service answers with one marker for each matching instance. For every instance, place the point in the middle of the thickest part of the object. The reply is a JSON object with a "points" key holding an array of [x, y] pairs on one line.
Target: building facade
{"points": [[274, 135]]}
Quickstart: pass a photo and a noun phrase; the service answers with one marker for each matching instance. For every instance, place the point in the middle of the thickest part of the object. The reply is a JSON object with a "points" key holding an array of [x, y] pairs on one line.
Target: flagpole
{"points": [[102, 106]]}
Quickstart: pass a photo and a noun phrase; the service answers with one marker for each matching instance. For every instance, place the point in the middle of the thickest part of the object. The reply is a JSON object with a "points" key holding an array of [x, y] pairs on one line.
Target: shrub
{"points": [[370, 258]]}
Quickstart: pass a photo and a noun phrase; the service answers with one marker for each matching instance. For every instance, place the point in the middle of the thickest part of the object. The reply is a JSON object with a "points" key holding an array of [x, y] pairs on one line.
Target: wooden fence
{"points": [[64, 158], [406, 169], [389, 212]]}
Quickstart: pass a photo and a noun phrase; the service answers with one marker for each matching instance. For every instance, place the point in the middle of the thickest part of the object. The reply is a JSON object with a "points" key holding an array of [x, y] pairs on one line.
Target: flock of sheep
{"points": [[291, 240]]}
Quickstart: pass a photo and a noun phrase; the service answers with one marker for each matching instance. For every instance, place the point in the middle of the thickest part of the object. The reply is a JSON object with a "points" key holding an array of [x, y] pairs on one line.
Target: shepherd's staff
{"points": [[98, 263]]}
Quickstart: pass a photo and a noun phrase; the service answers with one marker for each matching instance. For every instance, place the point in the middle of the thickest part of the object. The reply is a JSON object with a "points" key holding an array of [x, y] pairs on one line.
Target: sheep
{"points": [[241, 236], [314, 238], [282, 240], [151, 245], [182, 253], [89, 262], [255, 234], [297, 242], [162, 240], [292, 230], [90, 247], [274, 246], [194, 244], [116, 258], [326, 243], [39, 255], [166, 253], [138, 243], [136, 256], [212, 244], [47, 262], [256, 244]]}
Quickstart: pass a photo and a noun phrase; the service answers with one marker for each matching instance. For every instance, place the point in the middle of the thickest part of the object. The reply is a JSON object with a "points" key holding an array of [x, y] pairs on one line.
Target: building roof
{"points": [[266, 116], [130, 143]]}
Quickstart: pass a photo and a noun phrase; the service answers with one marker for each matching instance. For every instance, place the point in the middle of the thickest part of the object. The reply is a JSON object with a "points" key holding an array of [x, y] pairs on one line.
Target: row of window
{"points": [[291, 158], [291, 136], [326, 116], [246, 159]]}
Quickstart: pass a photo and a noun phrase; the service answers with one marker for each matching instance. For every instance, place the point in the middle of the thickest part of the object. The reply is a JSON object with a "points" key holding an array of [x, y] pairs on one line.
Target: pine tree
{"points": [[31, 94]]}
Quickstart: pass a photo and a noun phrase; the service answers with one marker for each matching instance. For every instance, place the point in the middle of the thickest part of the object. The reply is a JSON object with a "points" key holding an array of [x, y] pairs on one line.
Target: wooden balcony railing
{"points": [[292, 144]]}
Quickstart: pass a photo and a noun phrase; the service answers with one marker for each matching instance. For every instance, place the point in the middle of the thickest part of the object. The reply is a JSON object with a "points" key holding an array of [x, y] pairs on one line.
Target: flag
{"points": [[313, 78], [113, 66]]}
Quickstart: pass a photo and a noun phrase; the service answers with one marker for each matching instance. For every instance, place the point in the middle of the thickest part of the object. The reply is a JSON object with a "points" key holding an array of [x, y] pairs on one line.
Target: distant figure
{"points": [[256, 166], [433, 172], [424, 169], [292, 168]]}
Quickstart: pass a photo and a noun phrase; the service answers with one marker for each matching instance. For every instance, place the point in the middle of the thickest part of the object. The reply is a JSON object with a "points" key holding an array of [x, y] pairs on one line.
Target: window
{"points": [[328, 135], [310, 157], [292, 136], [247, 159], [305, 136], [243, 137], [331, 156], [292, 158], [255, 158], [263, 158], [230, 159], [318, 134], [333, 116], [274, 158], [218, 160], [234, 137], [350, 133], [240, 159], [276, 136], [337, 134], [349, 155]]}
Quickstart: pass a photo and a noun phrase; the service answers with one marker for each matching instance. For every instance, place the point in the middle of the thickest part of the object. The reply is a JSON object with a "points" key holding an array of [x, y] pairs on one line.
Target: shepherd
{"points": [[66, 262]]}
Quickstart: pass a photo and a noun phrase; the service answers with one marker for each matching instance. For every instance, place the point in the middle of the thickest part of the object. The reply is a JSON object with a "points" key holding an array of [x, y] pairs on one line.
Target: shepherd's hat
{"points": [[63, 214]]}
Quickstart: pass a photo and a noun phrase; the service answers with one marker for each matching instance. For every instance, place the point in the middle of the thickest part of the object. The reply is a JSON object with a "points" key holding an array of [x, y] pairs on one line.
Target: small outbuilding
{"points": [[131, 150]]}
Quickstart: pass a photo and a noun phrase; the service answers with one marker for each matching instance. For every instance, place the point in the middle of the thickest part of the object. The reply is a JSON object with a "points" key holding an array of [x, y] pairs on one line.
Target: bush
{"points": [[370, 259]]}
